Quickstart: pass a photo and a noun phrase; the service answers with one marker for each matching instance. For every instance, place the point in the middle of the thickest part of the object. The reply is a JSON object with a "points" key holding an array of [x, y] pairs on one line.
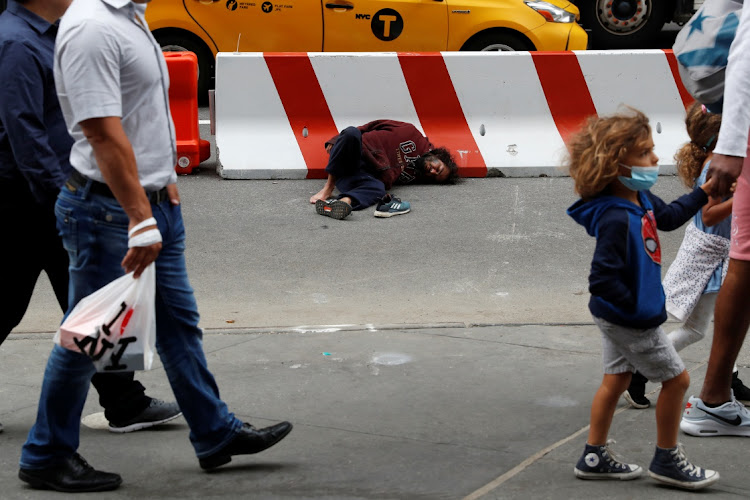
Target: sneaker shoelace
{"points": [[682, 461], [612, 458]]}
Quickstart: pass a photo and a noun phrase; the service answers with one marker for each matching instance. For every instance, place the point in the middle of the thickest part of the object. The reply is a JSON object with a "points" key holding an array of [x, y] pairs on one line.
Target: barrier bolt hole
{"points": [[482, 130], [658, 127], [304, 132]]}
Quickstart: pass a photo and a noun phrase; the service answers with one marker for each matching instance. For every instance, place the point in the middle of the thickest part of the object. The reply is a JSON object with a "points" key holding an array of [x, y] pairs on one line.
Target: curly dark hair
{"points": [[703, 130], [600, 145], [446, 157]]}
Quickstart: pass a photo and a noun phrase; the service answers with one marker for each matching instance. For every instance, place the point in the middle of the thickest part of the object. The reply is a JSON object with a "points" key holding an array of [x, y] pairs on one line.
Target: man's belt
{"points": [[77, 181]]}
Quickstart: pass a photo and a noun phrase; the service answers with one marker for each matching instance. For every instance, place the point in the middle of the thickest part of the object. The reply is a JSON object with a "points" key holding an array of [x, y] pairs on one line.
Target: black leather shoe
{"points": [[72, 475], [248, 440]]}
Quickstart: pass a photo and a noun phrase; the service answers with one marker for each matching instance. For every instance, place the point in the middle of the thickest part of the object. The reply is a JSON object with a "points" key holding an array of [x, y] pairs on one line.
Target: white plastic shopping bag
{"points": [[116, 325]]}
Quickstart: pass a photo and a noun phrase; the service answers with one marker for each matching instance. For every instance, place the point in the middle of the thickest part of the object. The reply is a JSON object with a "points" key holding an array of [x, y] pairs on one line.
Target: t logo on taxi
{"points": [[387, 24]]}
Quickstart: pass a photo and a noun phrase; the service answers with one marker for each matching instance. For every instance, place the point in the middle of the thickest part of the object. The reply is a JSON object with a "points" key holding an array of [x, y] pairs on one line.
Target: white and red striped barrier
{"points": [[500, 113]]}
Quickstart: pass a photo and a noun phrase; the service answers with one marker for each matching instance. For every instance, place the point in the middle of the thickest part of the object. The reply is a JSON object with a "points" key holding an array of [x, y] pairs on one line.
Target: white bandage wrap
{"points": [[144, 223], [145, 239]]}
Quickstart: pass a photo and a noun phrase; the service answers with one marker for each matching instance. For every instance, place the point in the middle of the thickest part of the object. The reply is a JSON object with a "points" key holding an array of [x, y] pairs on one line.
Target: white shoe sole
{"points": [[390, 214], [622, 476], [142, 425], [687, 485], [709, 428], [632, 402]]}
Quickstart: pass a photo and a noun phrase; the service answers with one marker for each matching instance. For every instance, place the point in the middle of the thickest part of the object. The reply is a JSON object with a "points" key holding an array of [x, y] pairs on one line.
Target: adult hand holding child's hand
{"points": [[725, 169]]}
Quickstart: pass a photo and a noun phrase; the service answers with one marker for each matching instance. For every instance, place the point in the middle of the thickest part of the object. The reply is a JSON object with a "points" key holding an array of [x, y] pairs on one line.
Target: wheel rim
{"points": [[498, 47], [623, 17]]}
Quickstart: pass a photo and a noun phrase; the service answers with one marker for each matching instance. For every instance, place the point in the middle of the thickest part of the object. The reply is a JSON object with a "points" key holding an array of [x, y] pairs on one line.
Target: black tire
{"points": [[497, 41], [605, 34], [177, 43]]}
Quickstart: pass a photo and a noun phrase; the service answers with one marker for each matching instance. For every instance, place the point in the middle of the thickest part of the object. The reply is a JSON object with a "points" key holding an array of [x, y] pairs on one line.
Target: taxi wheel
{"points": [[176, 43], [497, 42]]}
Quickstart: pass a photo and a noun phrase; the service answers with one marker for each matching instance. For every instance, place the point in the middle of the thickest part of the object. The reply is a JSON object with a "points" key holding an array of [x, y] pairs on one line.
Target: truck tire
{"points": [[177, 43], [623, 24]]}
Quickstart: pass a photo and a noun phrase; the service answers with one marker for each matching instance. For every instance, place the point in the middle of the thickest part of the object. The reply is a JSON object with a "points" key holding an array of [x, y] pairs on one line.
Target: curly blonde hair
{"points": [[703, 130], [594, 153]]}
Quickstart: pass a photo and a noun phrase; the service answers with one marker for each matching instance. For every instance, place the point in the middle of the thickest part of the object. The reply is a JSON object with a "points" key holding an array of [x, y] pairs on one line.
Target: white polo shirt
{"points": [[107, 63]]}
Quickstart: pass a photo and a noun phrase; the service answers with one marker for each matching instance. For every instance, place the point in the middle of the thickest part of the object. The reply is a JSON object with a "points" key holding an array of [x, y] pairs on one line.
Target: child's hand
{"points": [[733, 187], [706, 187]]}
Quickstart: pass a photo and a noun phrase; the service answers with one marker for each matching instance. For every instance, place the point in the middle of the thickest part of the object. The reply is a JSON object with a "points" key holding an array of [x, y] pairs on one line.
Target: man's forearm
{"points": [[116, 160]]}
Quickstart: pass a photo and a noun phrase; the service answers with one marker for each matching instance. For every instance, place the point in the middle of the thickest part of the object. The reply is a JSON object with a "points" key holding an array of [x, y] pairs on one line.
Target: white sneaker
{"points": [[729, 419]]}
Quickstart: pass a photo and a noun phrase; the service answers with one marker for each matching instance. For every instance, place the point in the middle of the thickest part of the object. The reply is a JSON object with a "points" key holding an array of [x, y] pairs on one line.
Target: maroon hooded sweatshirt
{"points": [[389, 149]]}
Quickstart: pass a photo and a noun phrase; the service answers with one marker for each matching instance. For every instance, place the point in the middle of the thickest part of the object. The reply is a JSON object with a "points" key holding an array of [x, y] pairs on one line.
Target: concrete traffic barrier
{"points": [[500, 113], [183, 104]]}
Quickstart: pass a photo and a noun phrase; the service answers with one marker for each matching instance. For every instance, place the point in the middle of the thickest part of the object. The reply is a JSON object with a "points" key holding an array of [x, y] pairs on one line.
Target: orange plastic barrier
{"points": [[183, 103]]}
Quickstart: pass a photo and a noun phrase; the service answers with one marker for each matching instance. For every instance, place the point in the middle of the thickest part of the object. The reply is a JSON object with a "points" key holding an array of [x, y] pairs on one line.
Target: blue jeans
{"points": [[345, 163], [94, 232]]}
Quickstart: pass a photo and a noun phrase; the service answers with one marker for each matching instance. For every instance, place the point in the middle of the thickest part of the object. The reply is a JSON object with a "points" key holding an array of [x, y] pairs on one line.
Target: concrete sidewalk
{"points": [[442, 411], [412, 399]]}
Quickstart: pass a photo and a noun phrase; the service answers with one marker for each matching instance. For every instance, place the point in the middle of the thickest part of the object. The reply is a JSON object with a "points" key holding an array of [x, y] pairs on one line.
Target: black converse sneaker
{"points": [[671, 466], [598, 462]]}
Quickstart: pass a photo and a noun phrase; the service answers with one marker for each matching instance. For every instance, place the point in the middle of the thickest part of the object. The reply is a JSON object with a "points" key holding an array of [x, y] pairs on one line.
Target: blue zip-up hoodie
{"points": [[625, 279]]}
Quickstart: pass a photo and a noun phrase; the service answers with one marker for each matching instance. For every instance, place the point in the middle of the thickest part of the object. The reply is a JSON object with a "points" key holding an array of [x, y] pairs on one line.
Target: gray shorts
{"points": [[648, 351]]}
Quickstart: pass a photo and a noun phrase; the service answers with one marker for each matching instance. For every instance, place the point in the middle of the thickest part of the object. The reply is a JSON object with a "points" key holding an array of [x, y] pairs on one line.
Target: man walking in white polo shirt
{"points": [[120, 212]]}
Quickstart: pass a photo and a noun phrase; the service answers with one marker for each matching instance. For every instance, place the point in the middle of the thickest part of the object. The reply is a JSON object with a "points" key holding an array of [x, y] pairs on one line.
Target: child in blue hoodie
{"points": [[613, 164]]}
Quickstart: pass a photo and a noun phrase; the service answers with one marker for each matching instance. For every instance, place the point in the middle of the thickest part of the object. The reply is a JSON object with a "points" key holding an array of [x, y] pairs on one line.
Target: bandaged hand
{"points": [[145, 238]]}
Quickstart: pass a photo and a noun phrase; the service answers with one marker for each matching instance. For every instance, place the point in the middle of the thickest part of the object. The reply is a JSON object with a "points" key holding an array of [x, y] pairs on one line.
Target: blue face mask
{"points": [[641, 178]]}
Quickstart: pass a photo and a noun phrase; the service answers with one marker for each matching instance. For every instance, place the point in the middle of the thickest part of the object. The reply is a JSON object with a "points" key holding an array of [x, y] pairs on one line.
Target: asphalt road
{"points": [[486, 251]]}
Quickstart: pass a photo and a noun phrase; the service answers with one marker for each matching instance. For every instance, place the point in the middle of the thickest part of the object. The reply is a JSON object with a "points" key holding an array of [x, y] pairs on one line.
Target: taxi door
{"points": [[385, 25], [260, 25]]}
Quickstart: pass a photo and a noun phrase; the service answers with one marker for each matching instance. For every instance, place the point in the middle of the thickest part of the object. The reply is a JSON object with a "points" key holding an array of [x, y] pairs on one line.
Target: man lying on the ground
{"points": [[364, 162]]}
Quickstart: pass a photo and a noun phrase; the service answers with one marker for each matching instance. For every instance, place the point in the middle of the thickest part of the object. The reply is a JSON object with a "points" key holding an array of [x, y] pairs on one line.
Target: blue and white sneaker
{"points": [[390, 206], [729, 419], [671, 466], [598, 462]]}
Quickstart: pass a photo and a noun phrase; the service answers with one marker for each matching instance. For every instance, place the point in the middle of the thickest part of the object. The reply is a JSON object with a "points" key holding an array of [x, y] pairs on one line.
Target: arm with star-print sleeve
{"points": [[735, 121]]}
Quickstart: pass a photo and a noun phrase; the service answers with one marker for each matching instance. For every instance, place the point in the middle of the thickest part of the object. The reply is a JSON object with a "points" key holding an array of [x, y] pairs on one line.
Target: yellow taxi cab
{"points": [[207, 26]]}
